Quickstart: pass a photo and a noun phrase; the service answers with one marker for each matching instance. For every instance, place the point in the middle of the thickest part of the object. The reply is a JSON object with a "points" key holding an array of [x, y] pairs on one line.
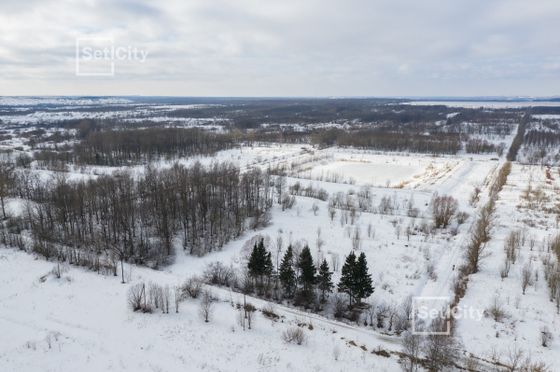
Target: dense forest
{"points": [[139, 219]]}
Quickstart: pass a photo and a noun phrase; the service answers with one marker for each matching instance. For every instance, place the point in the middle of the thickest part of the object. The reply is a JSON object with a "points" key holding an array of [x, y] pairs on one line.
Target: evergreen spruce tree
{"points": [[256, 261], [347, 279], [307, 270], [287, 273], [268, 266], [363, 286], [324, 279], [260, 263]]}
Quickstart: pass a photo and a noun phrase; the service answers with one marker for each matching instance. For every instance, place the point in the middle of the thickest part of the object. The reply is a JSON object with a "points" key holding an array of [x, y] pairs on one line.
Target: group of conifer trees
{"points": [[299, 278]]}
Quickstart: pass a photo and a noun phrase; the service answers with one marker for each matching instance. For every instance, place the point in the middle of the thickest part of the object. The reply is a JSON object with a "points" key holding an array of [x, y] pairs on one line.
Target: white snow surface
{"points": [[82, 321]]}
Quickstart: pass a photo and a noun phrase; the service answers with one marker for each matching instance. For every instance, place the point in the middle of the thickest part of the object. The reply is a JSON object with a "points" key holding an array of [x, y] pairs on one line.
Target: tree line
{"points": [[384, 140], [117, 147]]}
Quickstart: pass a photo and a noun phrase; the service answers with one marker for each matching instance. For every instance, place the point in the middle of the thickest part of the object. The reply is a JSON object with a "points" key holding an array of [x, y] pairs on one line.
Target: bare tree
{"points": [[279, 245], [7, 180], [412, 347], [335, 261], [280, 185], [206, 305], [332, 213], [480, 235], [319, 242], [356, 239], [177, 297], [439, 349], [315, 208]]}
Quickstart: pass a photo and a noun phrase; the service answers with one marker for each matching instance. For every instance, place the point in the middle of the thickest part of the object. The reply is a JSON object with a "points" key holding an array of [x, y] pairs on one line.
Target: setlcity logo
{"points": [[427, 311], [97, 56]]}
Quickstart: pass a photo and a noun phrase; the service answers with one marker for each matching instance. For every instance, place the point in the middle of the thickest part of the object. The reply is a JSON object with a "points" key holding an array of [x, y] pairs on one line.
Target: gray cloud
{"points": [[250, 47]]}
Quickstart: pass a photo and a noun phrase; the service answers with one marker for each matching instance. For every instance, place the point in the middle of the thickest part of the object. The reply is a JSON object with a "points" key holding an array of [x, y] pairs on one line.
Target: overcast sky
{"points": [[283, 48]]}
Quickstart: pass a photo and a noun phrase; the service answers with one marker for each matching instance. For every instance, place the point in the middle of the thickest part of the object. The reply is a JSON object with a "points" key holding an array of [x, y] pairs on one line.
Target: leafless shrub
{"points": [[475, 196], [155, 295], [504, 271], [218, 273], [516, 361], [386, 205], [315, 208], [192, 287], [270, 312], [443, 209], [512, 245], [526, 277], [554, 245], [336, 352], [294, 335], [57, 270], [248, 311], [332, 213], [137, 298], [430, 270], [496, 310], [288, 201], [546, 336], [406, 310], [462, 217], [339, 305]]}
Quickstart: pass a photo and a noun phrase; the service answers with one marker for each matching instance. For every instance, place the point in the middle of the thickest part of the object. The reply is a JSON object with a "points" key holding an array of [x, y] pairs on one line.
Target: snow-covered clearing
{"points": [[82, 321]]}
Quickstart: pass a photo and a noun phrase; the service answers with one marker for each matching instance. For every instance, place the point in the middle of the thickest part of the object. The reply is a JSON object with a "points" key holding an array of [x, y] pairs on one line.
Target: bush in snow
{"points": [[294, 335], [218, 273], [496, 310], [443, 209], [546, 336], [192, 287], [137, 298]]}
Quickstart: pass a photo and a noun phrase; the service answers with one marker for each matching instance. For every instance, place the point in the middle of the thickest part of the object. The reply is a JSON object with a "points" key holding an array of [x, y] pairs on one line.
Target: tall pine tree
{"points": [[307, 270], [260, 263], [347, 279], [324, 279], [363, 286], [287, 273]]}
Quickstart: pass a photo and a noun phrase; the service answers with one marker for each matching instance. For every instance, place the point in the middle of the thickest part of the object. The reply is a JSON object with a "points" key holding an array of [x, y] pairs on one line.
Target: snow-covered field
{"points": [[525, 315], [82, 320]]}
